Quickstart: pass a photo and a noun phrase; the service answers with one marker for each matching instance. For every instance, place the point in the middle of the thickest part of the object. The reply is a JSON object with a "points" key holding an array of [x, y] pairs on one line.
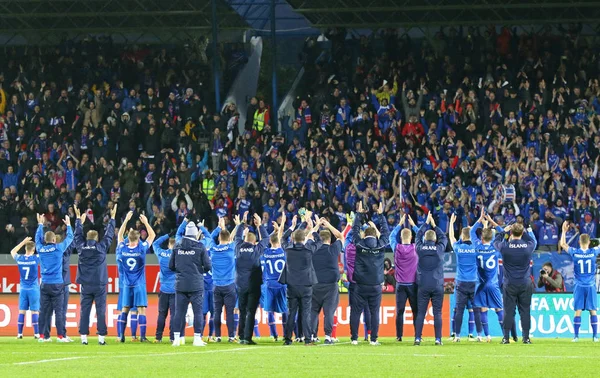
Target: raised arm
{"points": [[473, 233], [181, 230], [420, 234], [563, 237], [15, 250], [62, 246], [451, 229], [499, 241], [121, 237], [151, 233], [156, 246], [394, 236], [109, 231], [39, 233]]}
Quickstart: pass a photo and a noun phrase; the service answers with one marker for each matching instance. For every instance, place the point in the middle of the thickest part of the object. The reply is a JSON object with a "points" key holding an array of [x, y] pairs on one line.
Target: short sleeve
{"points": [[145, 247], [571, 251]]}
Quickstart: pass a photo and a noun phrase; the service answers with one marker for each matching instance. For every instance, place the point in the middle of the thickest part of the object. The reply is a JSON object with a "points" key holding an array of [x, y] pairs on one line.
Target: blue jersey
{"points": [[466, 265], [166, 275], [28, 269], [273, 263], [133, 263], [584, 265], [51, 256], [223, 264], [487, 258]]}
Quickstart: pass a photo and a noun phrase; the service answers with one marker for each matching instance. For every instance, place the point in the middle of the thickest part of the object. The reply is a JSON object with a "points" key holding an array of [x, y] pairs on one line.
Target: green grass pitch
{"points": [[560, 357]]}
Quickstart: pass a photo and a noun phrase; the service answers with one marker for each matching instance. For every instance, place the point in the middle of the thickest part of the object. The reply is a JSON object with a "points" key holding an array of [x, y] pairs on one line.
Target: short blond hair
{"points": [[50, 237], [584, 239], [30, 246], [133, 236], [430, 235], [405, 234], [517, 230], [465, 234], [325, 235], [487, 235], [92, 235]]}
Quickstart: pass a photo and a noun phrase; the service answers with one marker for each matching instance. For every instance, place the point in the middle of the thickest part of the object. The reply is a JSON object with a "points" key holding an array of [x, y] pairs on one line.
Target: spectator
{"points": [[550, 279]]}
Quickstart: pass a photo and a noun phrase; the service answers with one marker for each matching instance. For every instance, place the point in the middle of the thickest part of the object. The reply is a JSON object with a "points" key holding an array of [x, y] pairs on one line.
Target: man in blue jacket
{"points": [[92, 274], [223, 268], [430, 247], [166, 296], [248, 278], [52, 288], [189, 261]]}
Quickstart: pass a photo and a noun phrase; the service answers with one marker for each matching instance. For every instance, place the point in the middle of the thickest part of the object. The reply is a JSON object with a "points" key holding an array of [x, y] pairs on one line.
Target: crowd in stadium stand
{"points": [[506, 121]]}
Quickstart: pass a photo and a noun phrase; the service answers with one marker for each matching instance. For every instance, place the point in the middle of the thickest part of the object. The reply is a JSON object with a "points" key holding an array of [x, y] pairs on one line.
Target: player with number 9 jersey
{"points": [[133, 267], [273, 263]]}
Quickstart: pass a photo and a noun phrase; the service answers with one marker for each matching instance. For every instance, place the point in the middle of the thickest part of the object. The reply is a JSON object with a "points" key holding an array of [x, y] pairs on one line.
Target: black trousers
{"points": [[325, 297], [182, 299], [367, 297], [248, 299], [48, 326], [52, 299], [465, 292], [224, 296], [299, 300], [436, 296], [404, 293], [92, 294], [517, 297], [166, 305]]}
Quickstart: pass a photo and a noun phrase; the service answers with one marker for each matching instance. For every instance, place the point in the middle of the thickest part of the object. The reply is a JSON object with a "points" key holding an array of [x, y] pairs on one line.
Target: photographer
{"points": [[551, 279]]}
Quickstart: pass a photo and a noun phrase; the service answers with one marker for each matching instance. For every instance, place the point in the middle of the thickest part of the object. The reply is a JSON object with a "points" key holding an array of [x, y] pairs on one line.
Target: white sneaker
{"points": [[36, 336], [19, 336], [595, 339], [354, 342], [42, 340], [575, 340], [489, 339], [63, 340], [479, 339], [176, 343], [456, 340], [84, 340], [375, 343], [69, 340], [198, 342], [182, 340]]}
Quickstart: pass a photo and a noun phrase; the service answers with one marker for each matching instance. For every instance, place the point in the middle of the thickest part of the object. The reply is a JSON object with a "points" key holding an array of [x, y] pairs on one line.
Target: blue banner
{"points": [[551, 317]]}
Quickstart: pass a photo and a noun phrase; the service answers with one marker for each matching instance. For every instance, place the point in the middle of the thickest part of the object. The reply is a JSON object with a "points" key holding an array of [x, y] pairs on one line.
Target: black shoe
{"points": [[399, 339], [250, 342], [417, 342], [243, 342], [505, 341], [328, 342], [144, 340], [275, 338], [366, 339], [100, 343], [515, 339], [526, 341], [122, 339], [288, 342], [84, 343]]}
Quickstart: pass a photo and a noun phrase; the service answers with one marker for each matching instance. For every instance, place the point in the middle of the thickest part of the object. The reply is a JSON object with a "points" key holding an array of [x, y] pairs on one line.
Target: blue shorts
{"points": [[135, 296], [275, 299], [209, 303], [585, 298], [29, 299], [488, 296]]}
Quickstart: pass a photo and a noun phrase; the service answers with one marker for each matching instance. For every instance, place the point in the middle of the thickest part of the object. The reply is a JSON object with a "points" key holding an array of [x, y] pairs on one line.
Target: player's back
{"points": [[584, 265], [133, 261], [223, 264], [466, 264], [273, 262], [487, 264], [28, 271]]}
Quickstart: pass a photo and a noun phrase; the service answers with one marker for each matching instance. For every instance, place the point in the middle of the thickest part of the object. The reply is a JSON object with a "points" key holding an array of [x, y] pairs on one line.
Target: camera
{"points": [[542, 272]]}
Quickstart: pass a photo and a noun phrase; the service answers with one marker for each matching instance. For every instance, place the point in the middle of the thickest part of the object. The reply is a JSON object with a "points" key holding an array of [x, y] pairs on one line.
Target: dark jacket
{"points": [[370, 254], [516, 256], [189, 261], [325, 262], [247, 259], [430, 269], [91, 269], [299, 270]]}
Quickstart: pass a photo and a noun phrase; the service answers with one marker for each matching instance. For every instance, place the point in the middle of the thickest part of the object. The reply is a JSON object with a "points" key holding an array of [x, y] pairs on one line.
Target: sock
{"points": [[477, 317], [236, 322], [452, 330], [284, 318], [142, 322], [84, 338], [594, 323], [123, 321], [211, 326], [34, 323], [176, 337], [335, 324], [256, 331], [471, 322], [21, 323], [134, 324], [484, 323], [119, 325], [500, 315], [577, 325], [272, 326]]}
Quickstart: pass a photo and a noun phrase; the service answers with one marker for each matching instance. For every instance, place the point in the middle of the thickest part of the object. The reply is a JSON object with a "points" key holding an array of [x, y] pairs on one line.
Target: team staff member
{"points": [[405, 264], [516, 253], [248, 279], [368, 272], [430, 246], [52, 288], [189, 261], [92, 274], [300, 276], [325, 293]]}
